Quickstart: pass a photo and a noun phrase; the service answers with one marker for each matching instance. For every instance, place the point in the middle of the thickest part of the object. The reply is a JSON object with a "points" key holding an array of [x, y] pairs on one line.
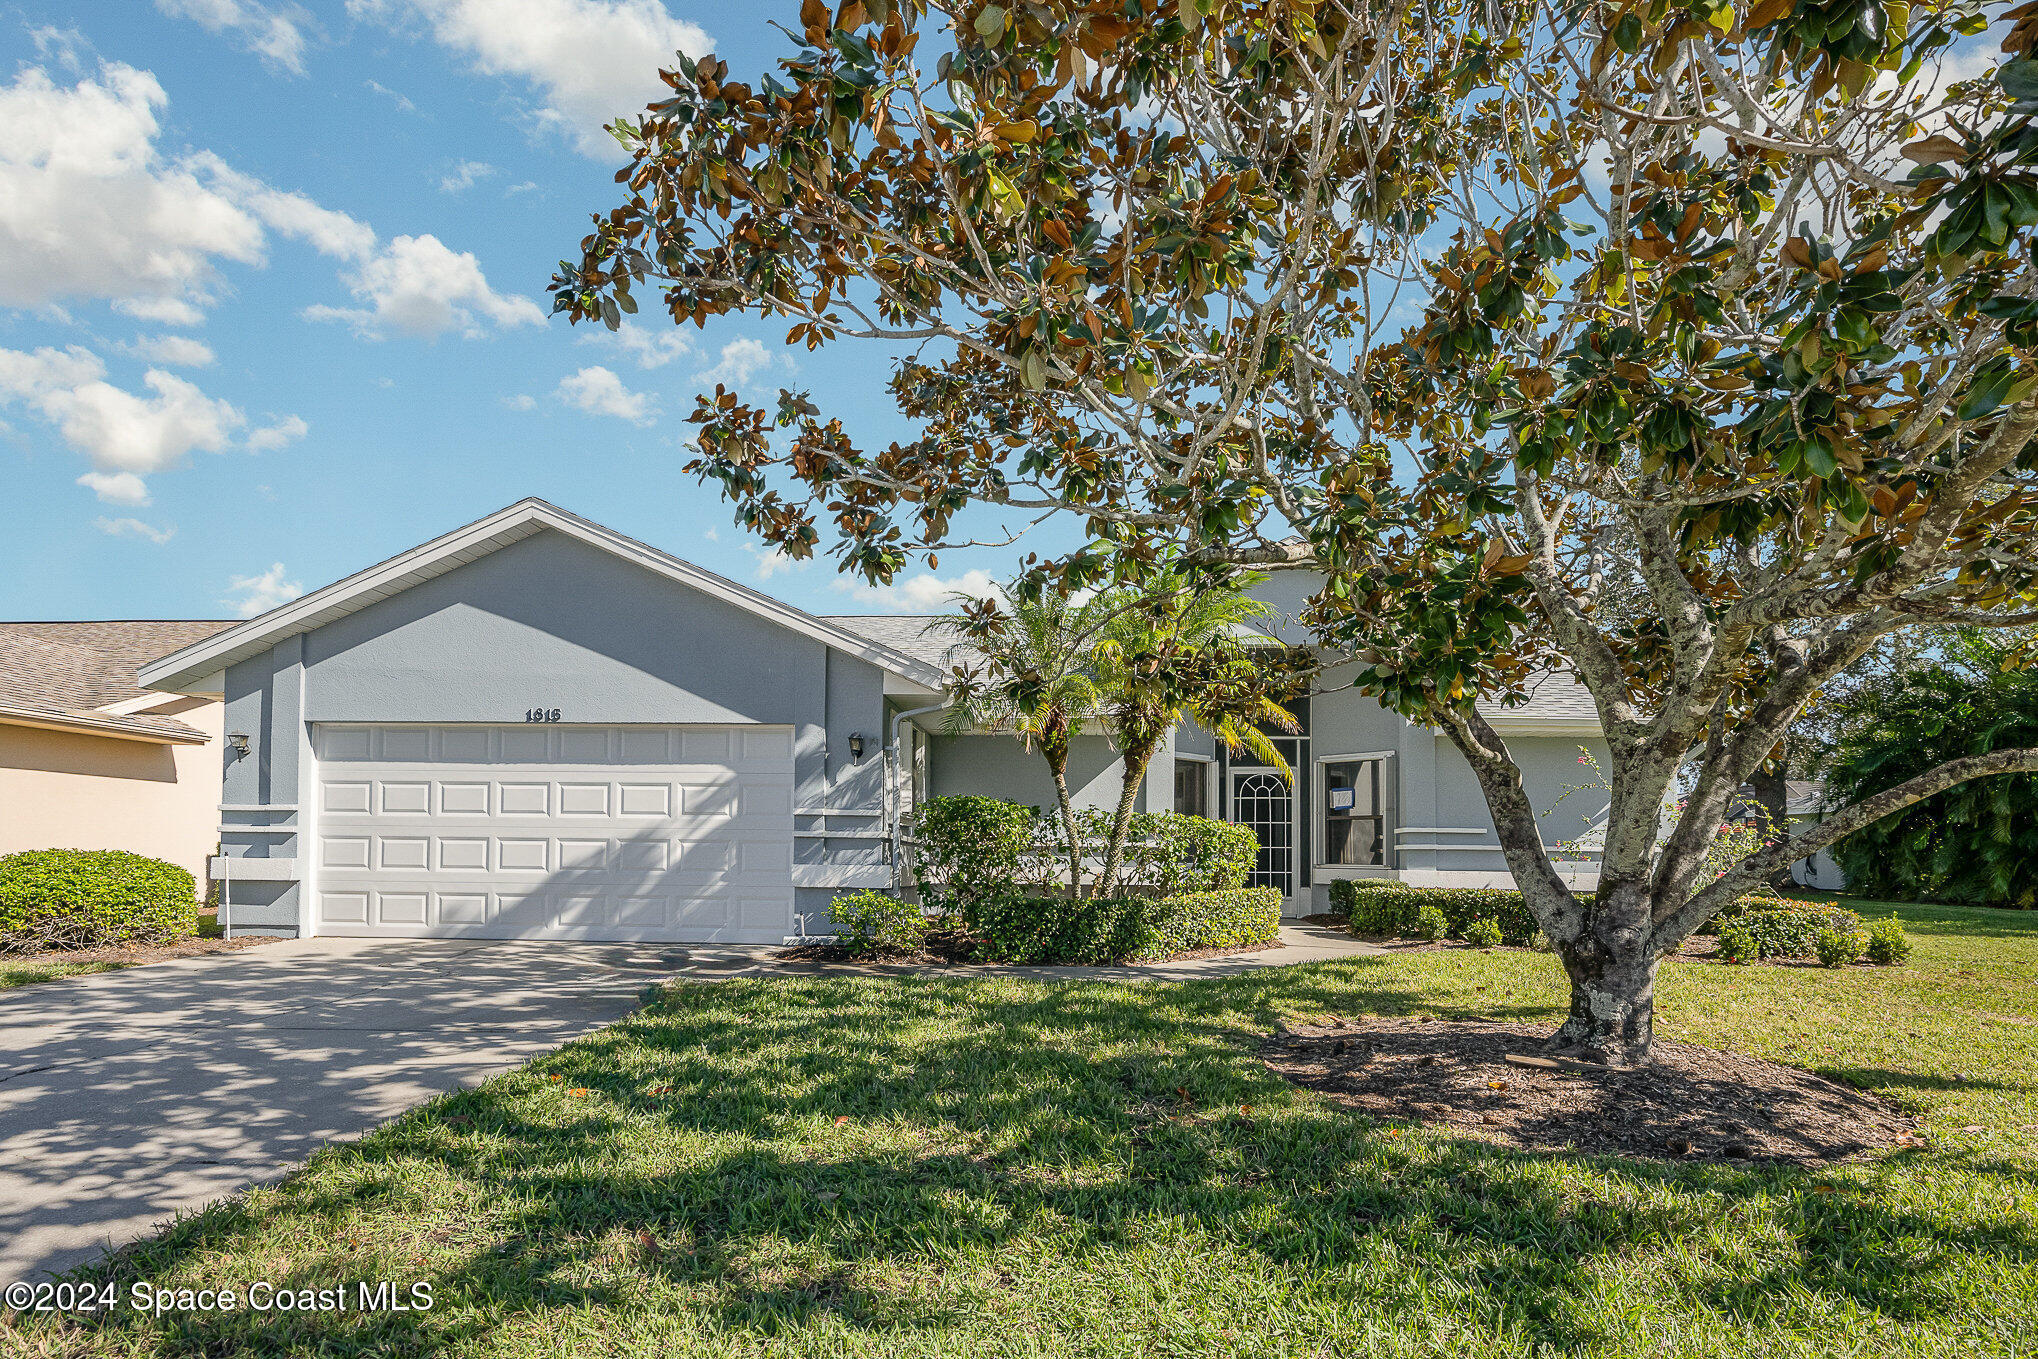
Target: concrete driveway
{"points": [[128, 1097]]}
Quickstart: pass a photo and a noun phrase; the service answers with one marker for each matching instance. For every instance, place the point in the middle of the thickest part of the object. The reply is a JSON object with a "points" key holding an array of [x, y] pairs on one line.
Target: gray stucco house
{"points": [[536, 727]]}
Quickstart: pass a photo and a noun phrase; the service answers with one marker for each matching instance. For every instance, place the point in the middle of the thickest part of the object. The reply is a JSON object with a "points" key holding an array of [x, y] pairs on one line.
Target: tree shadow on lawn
{"points": [[775, 1157]]}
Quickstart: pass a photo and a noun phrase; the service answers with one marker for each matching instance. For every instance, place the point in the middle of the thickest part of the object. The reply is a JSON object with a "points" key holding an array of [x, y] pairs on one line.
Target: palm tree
{"points": [[1188, 649], [1034, 680]]}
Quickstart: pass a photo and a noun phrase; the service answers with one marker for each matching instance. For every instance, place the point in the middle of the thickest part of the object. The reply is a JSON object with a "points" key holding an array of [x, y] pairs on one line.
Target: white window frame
{"points": [[1321, 791], [1212, 803]]}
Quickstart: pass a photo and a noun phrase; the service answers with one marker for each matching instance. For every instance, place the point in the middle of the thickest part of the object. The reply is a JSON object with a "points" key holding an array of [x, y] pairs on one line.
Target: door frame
{"points": [[1233, 774]]}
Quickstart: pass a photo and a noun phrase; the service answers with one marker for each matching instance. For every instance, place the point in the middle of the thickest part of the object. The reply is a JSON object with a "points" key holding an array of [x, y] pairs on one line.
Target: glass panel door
{"points": [[1263, 800]]}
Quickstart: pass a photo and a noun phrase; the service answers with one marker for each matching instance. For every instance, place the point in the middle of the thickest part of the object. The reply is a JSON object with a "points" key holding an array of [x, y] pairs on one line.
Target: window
{"points": [[1354, 831], [1192, 787]]}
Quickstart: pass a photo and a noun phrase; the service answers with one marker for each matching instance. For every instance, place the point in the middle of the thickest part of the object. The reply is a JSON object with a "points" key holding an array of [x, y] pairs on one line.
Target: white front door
{"points": [[555, 831]]}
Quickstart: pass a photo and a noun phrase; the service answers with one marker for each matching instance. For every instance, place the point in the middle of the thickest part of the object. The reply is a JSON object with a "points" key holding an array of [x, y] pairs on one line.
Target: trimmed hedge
{"points": [[1382, 906], [970, 847], [87, 898], [1034, 929], [1789, 931]]}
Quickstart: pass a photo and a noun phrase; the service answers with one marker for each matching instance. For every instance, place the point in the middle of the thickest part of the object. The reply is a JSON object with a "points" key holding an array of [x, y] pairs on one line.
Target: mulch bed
{"points": [[953, 948], [1693, 1104]]}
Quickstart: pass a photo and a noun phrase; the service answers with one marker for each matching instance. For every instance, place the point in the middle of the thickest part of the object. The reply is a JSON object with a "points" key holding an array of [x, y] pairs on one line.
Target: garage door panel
{"points": [[678, 833]]}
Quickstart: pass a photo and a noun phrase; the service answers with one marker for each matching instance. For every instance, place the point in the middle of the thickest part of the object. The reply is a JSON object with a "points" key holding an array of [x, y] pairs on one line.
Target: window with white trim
{"points": [[1192, 787], [1354, 826]]}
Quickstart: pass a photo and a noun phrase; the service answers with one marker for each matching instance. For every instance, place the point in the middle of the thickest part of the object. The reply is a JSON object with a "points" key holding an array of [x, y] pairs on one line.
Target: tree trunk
{"points": [[1774, 799], [1057, 754], [1612, 967], [1137, 756]]}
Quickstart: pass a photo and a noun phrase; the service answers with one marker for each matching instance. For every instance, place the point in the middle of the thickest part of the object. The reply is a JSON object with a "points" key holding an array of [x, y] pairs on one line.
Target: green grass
{"points": [[851, 1166], [53, 966], [24, 971]]}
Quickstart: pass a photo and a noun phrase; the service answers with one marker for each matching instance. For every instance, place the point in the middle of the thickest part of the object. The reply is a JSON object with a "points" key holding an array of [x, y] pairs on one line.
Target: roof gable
{"points": [[476, 540]]}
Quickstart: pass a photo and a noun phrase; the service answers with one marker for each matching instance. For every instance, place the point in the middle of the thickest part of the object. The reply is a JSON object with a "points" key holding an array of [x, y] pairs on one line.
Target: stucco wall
{"points": [[551, 621], [64, 790], [1001, 766]]}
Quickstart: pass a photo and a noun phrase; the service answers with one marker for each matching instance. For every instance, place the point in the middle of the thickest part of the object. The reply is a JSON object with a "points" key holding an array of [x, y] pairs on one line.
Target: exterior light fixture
{"points": [[856, 745], [239, 741]]}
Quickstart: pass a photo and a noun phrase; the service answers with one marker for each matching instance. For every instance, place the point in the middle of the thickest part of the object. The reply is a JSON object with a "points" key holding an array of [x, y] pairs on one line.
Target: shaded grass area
{"points": [[24, 971], [916, 1166]]}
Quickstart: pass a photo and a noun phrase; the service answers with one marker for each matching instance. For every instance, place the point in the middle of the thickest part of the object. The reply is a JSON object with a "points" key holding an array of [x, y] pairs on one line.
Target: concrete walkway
{"points": [[129, 1097]]}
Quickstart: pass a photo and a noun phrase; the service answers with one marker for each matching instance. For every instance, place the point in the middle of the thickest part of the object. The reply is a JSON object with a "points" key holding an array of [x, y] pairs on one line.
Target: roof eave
{"points": [[29, 717], [475, 540]]}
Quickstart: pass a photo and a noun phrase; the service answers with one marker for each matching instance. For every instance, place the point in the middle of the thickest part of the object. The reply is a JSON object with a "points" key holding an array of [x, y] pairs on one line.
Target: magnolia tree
{"points": [[1477, 309]]}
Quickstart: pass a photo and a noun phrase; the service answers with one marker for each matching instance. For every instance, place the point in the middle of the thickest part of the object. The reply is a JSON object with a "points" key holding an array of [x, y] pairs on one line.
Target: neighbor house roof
{"points": [[450, 551], [77, 676]]}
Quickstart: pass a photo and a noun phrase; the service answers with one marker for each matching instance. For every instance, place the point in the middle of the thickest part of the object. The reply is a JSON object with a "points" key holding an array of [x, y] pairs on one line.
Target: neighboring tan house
{"points": [[535, 727], [91, 760]]}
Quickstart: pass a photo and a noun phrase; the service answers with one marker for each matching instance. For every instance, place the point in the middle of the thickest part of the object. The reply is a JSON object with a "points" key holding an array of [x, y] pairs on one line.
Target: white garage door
{"points": [[555, 832]]}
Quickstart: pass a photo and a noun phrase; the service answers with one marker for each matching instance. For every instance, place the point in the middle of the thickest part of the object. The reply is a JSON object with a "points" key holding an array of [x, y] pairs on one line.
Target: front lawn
{"points": [[847, 1166]]}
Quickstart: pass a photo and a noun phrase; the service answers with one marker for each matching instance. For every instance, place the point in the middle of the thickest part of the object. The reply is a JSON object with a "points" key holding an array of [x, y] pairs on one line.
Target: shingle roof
{"points": [[68, 672], [1553, 697], [911, 634]]}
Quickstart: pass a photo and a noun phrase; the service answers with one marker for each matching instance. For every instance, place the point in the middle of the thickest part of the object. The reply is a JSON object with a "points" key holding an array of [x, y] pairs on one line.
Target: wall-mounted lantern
{"points": [[856, 745], [238, 742]]}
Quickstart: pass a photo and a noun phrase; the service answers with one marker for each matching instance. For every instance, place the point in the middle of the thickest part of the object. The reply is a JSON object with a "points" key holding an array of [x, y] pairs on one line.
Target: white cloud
{"points": [[116, 488], [134, 528], [527, 186], [772, 561], [126, 435], [740, 361], [598, 391], [922, 593], [465, 175], [251, 595], [178, 351], [278, 434], [587, 61], [170, 311], [650, 348], [402, 102], [88, 208], [417, 285], [276, 34], [522, 401]]}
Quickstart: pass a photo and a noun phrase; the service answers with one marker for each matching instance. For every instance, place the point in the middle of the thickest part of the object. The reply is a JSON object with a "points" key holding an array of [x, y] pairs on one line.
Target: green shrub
{"points": [[1483, 932], [1192, 853], [1792, 931], [1737, 944], [85, 898], [1382, 906], [1837, 948], [1888, 945], [1540, 942], [970, 848], [1035, 929], [877, 924], [1429, 923]]}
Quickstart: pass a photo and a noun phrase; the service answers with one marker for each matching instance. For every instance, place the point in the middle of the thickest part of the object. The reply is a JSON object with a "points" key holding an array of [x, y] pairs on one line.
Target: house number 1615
{"points": [[541, 714]]}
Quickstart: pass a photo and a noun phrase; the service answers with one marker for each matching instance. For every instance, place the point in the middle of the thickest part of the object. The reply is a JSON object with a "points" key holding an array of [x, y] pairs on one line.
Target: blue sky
{"points": [[272, 298]]}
